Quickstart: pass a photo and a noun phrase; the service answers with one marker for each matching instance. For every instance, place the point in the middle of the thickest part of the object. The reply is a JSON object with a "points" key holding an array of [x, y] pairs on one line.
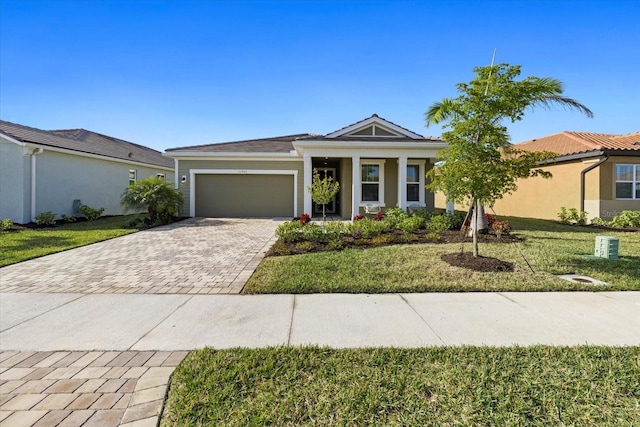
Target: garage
{"points": [[244, 195]]}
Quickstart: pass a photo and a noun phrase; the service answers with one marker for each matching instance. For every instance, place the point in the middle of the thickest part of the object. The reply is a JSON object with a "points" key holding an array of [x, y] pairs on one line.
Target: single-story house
{"points": [[378, 164], [593, 172], [44, 171]]}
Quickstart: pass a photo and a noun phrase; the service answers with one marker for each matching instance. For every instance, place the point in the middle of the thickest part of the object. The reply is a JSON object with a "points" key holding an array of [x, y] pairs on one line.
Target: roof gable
{"points": [[374, 127]]}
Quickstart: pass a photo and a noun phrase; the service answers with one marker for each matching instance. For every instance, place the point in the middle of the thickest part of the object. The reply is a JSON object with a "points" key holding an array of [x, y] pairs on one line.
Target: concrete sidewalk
{"points": [[118, 322]]}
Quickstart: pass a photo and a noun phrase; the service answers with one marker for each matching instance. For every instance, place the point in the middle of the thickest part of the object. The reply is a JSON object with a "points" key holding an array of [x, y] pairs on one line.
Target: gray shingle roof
{"points": [[278, 144], [85, 141]]}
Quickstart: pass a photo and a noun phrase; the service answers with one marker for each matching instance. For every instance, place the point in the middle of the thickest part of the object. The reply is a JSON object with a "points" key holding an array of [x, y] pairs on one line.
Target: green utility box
{"points": [[607, 247]]}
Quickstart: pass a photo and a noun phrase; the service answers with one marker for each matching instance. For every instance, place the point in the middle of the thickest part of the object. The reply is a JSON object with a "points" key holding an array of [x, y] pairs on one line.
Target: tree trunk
{"points": [[323, 217], [474, 228]]}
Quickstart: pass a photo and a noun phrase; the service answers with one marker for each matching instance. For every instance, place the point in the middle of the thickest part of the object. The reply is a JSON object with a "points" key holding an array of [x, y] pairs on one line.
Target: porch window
{"points": [[413, 183], [372, 181], [627, 181]]}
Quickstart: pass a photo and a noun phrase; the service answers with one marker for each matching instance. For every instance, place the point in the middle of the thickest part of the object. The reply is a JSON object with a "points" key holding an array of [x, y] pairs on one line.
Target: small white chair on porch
{"points": [[371, 209]]}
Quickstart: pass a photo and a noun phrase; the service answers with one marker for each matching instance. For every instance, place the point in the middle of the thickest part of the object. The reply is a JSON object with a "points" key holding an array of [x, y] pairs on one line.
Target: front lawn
{"points": [[548, 247], [467, 386], [28, 243]]}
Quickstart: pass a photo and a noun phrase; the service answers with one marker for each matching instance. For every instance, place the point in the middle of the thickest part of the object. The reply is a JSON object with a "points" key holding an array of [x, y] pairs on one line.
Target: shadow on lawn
{"points": [[31, 242]]}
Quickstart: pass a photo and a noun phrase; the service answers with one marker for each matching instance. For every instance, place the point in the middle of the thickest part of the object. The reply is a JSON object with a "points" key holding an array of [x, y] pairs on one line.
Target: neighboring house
{"points": [[593, 172], [48, 170], [378, 164]]}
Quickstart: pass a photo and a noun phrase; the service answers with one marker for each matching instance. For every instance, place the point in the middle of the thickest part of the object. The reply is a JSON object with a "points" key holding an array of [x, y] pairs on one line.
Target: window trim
{"points": [[635, 180], [421, 183], [380, 164]]}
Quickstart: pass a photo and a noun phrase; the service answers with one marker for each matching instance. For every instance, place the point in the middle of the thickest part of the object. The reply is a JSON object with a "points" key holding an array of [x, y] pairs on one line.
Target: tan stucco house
{"points": [[44, 171], [377, 162], [593, 172]]}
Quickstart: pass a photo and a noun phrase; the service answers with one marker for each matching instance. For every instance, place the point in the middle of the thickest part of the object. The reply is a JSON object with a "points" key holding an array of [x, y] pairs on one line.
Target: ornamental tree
{"points": [[323, 190], [480, 165]]}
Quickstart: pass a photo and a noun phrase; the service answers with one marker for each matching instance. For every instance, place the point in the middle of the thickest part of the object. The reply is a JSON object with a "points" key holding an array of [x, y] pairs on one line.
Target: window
{"points": [[160, 176], [372, 182], [132, 176], [413, 183], [627, 181]]}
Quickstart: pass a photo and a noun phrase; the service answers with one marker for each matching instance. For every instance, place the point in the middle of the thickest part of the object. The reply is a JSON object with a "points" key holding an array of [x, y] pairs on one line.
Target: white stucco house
{"points": [[377, 162], [48, 170]]}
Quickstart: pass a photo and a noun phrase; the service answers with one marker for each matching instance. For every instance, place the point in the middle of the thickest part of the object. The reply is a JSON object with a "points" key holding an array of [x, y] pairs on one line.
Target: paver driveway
{"points": [[197, 255]]}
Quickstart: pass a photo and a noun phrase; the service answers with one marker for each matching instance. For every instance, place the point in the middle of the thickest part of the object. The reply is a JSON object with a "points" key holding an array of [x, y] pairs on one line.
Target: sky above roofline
{"points": [[165, 73]]}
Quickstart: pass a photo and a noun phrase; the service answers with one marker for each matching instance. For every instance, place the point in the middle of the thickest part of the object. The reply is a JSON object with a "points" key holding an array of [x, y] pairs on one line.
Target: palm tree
{"points": [[480, 165], [159, 199]]}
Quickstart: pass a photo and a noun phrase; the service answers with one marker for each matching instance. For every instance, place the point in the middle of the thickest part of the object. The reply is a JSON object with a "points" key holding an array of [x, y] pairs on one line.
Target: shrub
{"points": [[358, 217], [572, 216], [68, 218], [439, 223], [626, 219], [457, 219], [394, 215], [367, 227], [289, 231], [6, 224], [46, 219], [312, 232], [334, 229], [599, 221], [305, 218], [490, 219], [379, 216], [501, 227], [90, 213], [411, 224]]}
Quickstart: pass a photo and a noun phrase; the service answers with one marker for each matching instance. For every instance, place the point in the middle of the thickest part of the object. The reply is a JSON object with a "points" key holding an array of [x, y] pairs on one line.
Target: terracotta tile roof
{"points": [[85, 141], [565, 143], [278, 144]]}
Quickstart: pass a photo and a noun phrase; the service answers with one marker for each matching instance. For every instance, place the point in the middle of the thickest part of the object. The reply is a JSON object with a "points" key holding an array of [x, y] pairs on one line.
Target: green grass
{"points": [[467, 386], [28, 243], [550, 248]]}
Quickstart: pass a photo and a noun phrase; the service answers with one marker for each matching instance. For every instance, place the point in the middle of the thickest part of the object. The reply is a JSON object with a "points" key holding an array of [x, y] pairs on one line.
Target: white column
{"points": [[308, 174], [402, 182], [355, 186]]}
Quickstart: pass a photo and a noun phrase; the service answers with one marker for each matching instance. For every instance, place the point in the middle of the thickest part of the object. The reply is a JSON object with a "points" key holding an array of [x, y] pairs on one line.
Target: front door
{"points": [[330, 208]]}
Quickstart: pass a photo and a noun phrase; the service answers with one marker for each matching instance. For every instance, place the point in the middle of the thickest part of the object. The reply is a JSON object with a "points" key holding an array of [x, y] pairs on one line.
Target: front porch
{"points": [[374, 183]]}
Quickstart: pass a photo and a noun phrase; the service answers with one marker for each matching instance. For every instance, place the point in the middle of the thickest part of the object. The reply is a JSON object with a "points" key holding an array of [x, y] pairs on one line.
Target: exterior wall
{"points": [[62, 178], [15, 183], [429, 197], [185, 166], [543, 198]]}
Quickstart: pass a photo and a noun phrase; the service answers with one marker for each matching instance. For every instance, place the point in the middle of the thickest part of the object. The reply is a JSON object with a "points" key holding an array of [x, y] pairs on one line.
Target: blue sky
{"points": [[173, 73]]}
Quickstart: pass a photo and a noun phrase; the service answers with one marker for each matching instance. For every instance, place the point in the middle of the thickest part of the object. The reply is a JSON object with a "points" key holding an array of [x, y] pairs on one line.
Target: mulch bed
{"points": [[394, 238], [480, 263]]}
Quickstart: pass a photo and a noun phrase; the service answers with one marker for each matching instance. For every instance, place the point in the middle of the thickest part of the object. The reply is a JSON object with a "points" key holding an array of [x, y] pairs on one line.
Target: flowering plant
{"points": [[305, 219], [358, 217]]}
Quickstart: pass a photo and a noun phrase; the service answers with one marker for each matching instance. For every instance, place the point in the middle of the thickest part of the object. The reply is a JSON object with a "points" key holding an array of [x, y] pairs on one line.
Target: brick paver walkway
{"points": [[78, 388], [195, 256]]}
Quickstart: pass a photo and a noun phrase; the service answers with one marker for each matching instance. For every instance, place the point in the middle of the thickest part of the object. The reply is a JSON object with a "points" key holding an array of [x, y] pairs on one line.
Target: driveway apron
{"points": [[194, 256]]}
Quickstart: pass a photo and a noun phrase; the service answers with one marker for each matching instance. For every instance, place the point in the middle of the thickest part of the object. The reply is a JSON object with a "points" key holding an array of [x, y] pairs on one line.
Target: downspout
{"points": [[33, 155], [582, 182]]}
